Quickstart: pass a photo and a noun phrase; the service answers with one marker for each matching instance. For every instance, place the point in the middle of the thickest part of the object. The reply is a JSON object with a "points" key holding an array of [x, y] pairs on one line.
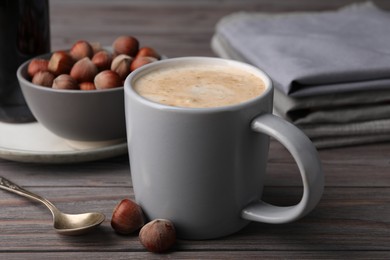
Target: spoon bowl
{"points": [[77, 224], [65, 224]]}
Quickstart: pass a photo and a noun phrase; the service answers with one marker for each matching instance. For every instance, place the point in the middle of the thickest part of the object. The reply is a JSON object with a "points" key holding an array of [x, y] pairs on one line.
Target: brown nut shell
{"points": [[65, 81], [96, 47], [141, 61], [158, 235], [148, 52], [127, 217], [81, 49], [102, 60], [84, 70], [108, 79], [37, 65], [87, 86], [60, 63], [121, 65], [43, 78], [128, 45]]}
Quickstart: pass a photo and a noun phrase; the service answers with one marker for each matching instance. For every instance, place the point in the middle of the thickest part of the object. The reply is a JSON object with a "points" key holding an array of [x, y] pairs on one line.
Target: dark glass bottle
{"points": [[24, 33]]}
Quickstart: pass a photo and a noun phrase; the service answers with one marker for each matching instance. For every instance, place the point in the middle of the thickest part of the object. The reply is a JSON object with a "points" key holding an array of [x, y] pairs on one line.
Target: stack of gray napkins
{"points": [[331, 70]]}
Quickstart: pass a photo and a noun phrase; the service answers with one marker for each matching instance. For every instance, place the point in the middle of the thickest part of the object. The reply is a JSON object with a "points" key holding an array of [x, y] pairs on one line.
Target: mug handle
{"points": [[305, 155]]}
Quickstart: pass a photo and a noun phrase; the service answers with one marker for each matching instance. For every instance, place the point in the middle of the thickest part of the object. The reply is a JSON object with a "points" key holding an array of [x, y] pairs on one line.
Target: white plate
{"points": [[33, 143]]}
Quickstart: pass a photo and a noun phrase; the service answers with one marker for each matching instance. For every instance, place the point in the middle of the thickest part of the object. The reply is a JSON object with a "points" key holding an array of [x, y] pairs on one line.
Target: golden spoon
{"points": [[65, 224]]}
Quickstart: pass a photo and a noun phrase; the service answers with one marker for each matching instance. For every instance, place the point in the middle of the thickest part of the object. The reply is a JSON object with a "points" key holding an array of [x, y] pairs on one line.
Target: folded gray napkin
{"points": [[315, 53], [330, 70]]}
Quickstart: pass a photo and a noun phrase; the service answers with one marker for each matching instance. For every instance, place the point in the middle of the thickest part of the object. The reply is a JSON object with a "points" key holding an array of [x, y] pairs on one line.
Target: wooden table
{"points": [[352, 220]]}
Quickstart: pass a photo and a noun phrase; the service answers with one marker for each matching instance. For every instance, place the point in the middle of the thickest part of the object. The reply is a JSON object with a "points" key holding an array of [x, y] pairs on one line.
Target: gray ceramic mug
{"points": [[204, 169]]}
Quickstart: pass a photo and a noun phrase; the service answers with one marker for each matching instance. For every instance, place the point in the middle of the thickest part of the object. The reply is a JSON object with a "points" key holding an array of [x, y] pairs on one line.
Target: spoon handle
{"points": [[12, 187]]}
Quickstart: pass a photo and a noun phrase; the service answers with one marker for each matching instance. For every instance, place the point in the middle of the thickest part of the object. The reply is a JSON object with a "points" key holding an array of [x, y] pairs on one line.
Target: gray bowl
{"points": [[77, 115]]}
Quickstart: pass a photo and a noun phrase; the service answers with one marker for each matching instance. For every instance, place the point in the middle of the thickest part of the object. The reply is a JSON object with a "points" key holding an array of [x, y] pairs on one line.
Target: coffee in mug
{"points": [[200, 160], [199, 86]]}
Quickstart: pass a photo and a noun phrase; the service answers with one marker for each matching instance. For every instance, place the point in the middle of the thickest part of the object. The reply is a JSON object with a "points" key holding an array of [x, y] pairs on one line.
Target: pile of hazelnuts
{"points": [[157, 236], [88, 66]]}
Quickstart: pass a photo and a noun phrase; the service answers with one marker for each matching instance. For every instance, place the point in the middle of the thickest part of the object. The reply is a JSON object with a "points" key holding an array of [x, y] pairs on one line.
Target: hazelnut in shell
{"points": [[148, 52], [43, 78], [84, 70], [107, 79], [81, 49], [102, 60], [140, 61], [65, 81], [96, 47], [158, 235], [60, 63], [37, 65], [121, 65], [128, 45], [87, 86], [127, 217]]}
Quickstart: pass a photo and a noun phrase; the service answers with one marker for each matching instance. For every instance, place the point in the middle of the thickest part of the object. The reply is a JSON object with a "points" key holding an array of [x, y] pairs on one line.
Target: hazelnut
{"points": [[107, 79], [84, 70], [126, 45], [149, 52], [140, 61], [37, 65], [87, 86], [127, 217], [65, 81], [81, 49], [121, 65], [158, 235], [60, 63], [43, 78], [96, 47], [102, 60]]}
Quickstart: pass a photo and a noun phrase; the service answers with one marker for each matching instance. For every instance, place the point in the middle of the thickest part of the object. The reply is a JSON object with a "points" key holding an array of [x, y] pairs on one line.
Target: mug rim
{"points": [[133, 76]]}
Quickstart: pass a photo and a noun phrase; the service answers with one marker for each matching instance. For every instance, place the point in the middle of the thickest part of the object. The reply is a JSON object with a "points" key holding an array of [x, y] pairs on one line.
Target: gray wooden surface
{"points": [[352, 220]]}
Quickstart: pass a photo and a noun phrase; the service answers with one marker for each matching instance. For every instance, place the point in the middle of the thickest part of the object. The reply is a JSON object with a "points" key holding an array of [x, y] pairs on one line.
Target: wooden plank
{"points": [[343, 167], [345, 219], [351, 222], [358, 166], [175, 28], [110, 172], [215, 255]]}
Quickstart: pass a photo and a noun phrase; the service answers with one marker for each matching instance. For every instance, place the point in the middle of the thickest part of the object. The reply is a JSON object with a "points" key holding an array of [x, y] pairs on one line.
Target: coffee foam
{"points": [[199, 86]]}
